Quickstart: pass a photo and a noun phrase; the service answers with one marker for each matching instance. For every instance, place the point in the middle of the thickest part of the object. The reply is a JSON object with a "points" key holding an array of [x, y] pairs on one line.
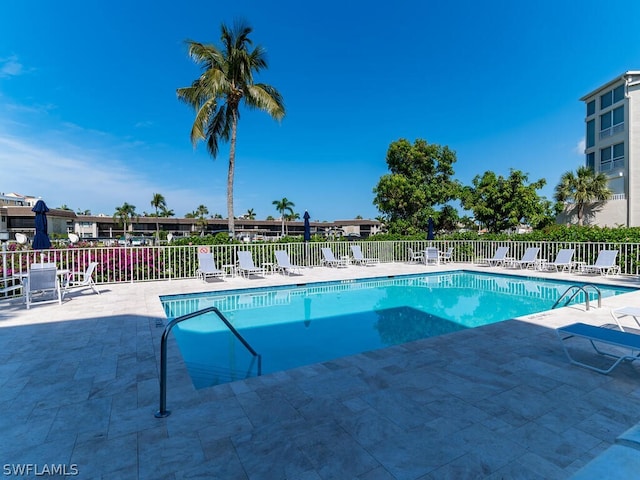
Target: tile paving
{"points": [[79, 386]]}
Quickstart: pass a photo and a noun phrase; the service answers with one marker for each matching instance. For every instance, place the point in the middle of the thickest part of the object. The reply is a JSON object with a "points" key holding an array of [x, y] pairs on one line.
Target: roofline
{"points": [[609, 83]]}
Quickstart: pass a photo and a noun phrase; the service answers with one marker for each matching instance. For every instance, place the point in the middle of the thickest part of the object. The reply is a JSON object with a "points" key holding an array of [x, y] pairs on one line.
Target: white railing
{"points": [[139, 264]]}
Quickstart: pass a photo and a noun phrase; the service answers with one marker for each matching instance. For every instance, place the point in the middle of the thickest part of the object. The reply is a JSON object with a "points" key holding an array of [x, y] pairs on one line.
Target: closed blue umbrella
{"points": [[41, 240], [307, 227], [307, 236], [430, 228]]}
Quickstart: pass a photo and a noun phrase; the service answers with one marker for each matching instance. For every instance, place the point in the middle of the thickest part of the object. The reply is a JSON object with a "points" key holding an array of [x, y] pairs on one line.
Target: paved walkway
{"points": [[79, 387]]}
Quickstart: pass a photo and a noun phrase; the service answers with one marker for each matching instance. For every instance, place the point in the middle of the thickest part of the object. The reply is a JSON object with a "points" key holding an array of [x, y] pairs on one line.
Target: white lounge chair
{"points": [[528, 259], [246, 265], [415, 256], [598, 336], [431, 255], [499, 258], [618, 313], [42, 279], [283, 263], [563, 260], [605, 264], [359, 258], [446, 256], [330, 260], [84, 279], [207, 267]]}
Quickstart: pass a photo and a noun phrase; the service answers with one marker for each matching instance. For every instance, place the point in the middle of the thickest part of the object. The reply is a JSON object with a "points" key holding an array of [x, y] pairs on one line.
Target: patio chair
{"points": [[605, 263], [598, 336], [329, 260], [499, 258], [415, 256], [359, 258], [563, 260], [283, 263], [528, 260], [207, 267], [42, 279], [246, 266], [446, 256], [80, 280], [618, 313], [431, 255]]}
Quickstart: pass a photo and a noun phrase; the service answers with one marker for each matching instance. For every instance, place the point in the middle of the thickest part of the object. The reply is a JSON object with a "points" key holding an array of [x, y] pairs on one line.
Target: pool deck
{"points": [[79, 387]]}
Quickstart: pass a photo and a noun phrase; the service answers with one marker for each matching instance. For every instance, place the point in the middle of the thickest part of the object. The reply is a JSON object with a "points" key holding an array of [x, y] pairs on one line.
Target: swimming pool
{"points": [[306, 324]]}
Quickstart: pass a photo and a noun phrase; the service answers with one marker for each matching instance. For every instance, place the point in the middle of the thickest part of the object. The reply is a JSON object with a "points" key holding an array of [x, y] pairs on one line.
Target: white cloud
{"points": [[580, 146], [86, 178], [10, 67]]}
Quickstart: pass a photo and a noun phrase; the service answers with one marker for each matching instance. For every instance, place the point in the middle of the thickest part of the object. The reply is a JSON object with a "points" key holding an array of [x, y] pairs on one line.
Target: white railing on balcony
{"points": [[139, 264], [612, 165]]}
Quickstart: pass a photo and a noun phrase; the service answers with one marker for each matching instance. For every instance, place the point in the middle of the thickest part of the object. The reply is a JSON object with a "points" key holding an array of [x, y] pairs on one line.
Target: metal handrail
{"points": [[163, 412], [580, 288]]}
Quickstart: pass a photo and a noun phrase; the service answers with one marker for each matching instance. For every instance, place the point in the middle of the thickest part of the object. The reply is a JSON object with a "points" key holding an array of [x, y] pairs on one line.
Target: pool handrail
{"points": [[578, 289], [162, 411]]}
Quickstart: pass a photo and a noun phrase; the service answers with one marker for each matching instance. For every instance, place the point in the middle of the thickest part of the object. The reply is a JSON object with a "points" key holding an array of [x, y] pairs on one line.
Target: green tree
{"points": [[420, 179], [447, 219], [158, 202], [283, 206], [83, 212], [226, 80], [582, 188], [201, 214], [291, 217], [250, 215], [501, 203], [124, 215], [166, 212]]}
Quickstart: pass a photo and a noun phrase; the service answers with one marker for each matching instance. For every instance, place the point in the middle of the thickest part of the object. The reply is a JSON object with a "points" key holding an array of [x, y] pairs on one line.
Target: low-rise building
{"points": [[16, 217]]}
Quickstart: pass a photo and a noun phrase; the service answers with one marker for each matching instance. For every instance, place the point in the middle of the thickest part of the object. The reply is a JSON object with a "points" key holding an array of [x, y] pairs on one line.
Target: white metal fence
{"points": [[147, 263]]}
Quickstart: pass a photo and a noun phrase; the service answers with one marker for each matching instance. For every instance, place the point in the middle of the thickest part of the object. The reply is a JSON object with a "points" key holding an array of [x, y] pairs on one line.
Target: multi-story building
{"points": [[613, 148]]}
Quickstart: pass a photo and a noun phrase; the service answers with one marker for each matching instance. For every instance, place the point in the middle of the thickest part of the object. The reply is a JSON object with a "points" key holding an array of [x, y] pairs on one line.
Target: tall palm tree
{"points": [[292, 217], [582, 188], [250, 215], [124, 215], [200, 213], [227, 78], [283, 206], [167, 212], [158, 202]]}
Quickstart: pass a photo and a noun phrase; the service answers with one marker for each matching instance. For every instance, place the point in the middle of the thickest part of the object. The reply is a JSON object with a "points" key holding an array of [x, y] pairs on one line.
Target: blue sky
{"points": [[89, 116]]}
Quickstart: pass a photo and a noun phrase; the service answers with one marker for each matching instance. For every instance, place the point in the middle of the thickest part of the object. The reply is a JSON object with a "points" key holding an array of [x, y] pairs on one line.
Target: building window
{"points": [[591, 133], [591, 161], [612, 157], [618, 93], [612, 122], [611, 97], [591, 108]]}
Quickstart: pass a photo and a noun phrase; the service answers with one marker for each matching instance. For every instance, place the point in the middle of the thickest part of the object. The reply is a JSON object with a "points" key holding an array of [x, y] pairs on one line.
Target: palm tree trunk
{"points": [[232, 162], [157, 228], [580, 214]]}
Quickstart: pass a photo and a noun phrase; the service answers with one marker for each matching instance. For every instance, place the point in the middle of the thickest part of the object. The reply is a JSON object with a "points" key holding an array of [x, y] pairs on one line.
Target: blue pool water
{"points": [[305, 324]]}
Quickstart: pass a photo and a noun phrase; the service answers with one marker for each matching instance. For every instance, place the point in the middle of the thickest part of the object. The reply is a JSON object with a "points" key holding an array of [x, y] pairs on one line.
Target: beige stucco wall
{"points": [[633, 154], [611, 214]]}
